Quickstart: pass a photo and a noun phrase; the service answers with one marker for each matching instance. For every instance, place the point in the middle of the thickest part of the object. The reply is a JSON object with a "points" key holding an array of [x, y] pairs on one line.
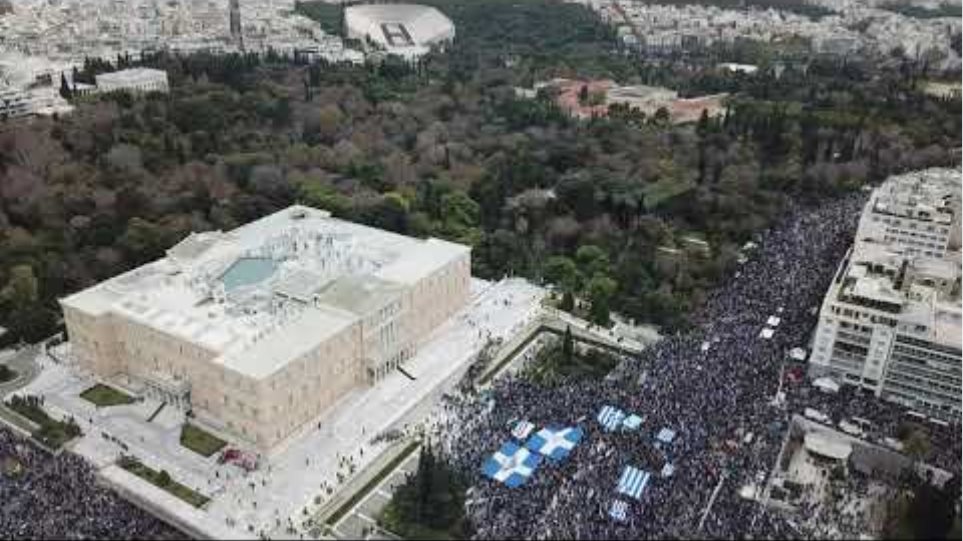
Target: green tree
{"points": [[561, 270], [661, 116], [568, 345], [21, 289], [592, 260], [315, 194], [142, 241], [601, 288], [916, 445], [163, 478], [583, 95], [430, 503], [460, 217]]}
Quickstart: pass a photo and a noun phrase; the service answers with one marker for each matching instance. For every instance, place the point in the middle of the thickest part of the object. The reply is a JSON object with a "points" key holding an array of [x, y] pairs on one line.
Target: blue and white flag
{"points": [[633, 482], [555, 443], [665, 435], [668, 470], [632, 422], [511, 465], [610, 418], [619, 510]]}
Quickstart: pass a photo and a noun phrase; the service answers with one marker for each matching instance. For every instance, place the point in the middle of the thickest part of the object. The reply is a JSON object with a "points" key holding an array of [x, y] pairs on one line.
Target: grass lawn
{"points": [[200, 441], [51, 433], [103, 396], [162, 480]]}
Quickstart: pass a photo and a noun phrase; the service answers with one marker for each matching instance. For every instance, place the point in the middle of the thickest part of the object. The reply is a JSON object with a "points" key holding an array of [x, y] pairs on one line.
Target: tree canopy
{"points": [[445, 147]]}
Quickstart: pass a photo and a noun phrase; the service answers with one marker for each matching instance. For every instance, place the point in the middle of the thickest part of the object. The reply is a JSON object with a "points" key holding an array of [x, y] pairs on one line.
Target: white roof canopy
{"points": [[822, 444], [826, 384]]}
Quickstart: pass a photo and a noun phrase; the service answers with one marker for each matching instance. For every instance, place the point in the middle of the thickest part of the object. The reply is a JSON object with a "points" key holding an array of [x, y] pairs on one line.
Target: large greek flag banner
{"points": [[511, 465], [610, 417], [633, 482], [555, 443]]}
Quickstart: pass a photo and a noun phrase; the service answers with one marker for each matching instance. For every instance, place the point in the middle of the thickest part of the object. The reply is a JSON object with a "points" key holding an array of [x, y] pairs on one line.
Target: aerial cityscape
{"points": [[481, 269]]}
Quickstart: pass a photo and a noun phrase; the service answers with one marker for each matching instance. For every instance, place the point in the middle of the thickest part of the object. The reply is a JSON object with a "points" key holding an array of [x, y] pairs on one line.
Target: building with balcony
{"points": [[917, 212], [891, 320]]}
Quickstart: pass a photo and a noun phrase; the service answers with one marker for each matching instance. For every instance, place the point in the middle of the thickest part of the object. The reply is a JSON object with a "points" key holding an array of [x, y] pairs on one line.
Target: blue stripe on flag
{"points": [[633, 482]]}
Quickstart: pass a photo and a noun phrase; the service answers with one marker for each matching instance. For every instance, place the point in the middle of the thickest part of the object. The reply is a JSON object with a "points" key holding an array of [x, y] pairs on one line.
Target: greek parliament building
{"points": [[261, 329], [890, 322]]}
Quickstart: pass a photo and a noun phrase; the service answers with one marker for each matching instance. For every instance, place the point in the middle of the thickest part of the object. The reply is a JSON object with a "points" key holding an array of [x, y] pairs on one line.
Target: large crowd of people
{"points": [[714, 385], [58, 497]]}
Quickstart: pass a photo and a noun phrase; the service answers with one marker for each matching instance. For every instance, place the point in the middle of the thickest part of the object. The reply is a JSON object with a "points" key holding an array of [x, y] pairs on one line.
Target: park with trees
{"points": [[446, 148]]}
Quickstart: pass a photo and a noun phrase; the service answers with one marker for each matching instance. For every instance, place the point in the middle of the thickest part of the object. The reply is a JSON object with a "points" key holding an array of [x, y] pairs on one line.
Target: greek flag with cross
{"points": [[555, 443], [511, 465]]}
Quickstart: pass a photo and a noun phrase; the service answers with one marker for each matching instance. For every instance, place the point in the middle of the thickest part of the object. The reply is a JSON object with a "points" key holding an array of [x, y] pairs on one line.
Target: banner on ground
{"points": [[610, 417], [633, 482], [511, 465], [555, 443]]}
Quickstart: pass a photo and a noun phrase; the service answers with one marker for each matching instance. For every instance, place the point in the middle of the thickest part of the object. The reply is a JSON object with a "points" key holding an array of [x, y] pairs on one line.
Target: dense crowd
{"points": [[58, 497], [712, 397], [714, 385]]}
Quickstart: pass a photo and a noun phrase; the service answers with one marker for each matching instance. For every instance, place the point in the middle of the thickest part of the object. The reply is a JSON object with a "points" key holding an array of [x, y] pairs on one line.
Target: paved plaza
{"points": [[305, 470]]}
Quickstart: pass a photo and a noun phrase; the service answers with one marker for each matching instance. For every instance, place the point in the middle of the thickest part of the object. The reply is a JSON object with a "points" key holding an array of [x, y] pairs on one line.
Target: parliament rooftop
{"points": [[260, 329]]}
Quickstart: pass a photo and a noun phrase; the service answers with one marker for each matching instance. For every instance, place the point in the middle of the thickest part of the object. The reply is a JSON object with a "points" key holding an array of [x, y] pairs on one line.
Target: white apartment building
{"points": [[915, 212], [891, 320], [133, 80], [261, 329], [20, 102]]}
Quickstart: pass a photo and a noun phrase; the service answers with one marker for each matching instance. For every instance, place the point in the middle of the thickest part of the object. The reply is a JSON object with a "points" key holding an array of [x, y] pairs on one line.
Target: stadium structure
{"points": [[406, 30], [261, 329]]}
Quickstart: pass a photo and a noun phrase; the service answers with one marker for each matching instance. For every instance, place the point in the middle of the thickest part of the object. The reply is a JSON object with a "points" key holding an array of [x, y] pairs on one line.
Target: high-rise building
{"points": [[891, 320]]}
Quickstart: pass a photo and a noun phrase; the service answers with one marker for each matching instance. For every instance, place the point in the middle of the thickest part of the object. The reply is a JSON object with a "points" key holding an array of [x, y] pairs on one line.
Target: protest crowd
{"points": [[58, 497], [713, 384]]}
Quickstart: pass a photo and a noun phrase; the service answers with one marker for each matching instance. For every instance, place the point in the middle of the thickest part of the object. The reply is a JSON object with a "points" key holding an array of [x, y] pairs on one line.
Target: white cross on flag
{"points": [[511, 465], [555, 443]]}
